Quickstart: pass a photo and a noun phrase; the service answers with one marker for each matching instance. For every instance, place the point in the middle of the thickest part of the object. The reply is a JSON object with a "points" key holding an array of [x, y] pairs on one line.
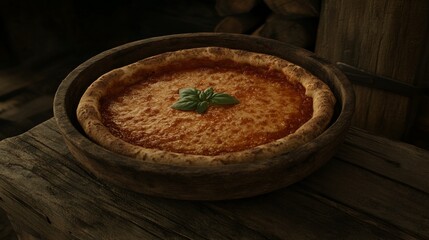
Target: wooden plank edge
{"points": [[398, 161], [392, 201], [360, 216]]}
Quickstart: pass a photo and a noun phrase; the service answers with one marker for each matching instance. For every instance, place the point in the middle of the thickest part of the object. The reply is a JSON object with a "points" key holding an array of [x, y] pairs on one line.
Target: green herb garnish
{"points": [[192, 99]]}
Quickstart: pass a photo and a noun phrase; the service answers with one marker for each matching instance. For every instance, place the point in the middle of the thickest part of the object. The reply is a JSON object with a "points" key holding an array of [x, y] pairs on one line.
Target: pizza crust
{"points": [[89, 115]]}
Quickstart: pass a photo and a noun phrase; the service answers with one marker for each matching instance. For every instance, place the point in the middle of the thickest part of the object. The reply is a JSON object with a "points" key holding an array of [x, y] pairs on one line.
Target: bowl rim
{"points": [[95, 151]]}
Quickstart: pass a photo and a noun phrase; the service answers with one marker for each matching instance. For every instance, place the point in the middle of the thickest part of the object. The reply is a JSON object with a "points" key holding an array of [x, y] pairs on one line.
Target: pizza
{"points": [[206, 106]]}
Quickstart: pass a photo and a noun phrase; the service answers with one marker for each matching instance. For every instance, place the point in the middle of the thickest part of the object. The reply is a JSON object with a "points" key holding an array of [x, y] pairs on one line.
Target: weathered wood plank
{"points": [[396, 160], [372, 153], [292, 213], [391, 201], [362, 216], [38, 186], [48, 185]]}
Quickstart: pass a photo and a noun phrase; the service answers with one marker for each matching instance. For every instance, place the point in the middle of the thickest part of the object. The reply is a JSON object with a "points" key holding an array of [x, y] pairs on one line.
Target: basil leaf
{"points": [[209, 93], [223, 99], [202, 107], [202, 96], [185, 104], [193, 99], [184, 92]]}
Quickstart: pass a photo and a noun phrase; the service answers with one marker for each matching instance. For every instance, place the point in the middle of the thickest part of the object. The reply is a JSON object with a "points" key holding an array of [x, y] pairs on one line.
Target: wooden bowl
{"points": [[196, 182]]}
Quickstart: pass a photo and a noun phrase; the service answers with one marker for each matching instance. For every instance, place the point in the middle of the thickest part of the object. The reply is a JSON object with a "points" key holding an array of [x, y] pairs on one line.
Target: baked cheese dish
{"points": [[206, 106]]}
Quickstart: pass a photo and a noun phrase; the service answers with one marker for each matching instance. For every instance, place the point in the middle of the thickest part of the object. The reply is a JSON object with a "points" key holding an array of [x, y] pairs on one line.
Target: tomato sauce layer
{"points": [[271, 107]]}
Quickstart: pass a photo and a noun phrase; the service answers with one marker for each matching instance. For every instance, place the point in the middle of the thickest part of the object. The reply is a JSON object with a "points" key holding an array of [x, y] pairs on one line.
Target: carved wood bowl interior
{"points": [[195, 182]]}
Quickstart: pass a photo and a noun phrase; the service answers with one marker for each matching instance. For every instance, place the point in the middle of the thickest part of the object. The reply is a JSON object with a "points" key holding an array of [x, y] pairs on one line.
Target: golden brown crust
{"points": [[89, 116]]}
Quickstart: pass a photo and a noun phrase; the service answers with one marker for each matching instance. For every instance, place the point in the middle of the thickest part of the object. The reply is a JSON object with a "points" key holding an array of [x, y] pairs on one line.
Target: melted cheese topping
{"points": [[270, 108]]}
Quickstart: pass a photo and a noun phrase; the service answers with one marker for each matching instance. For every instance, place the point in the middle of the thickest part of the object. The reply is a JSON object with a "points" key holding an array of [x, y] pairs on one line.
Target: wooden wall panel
{"points": [[384, 37]]}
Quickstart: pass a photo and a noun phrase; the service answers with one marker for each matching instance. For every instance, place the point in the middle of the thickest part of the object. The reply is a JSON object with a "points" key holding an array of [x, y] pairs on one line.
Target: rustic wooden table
{"points": [[374, 188]]}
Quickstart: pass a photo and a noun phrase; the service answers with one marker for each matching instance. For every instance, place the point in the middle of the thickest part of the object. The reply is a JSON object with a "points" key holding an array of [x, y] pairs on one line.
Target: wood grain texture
{"points": [[386, 38], [52, 197], [65, 204], [375, 154], [390, 201]]}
